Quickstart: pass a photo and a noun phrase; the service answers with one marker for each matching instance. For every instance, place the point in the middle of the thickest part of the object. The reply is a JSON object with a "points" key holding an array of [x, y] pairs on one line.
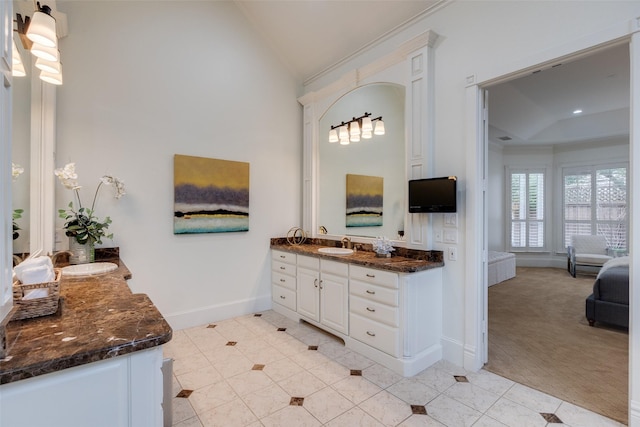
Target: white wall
{"points": [[144, 81], [482, 38]]}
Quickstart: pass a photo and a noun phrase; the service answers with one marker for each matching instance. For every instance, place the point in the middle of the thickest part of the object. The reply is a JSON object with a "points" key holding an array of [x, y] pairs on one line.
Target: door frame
{"points": [[476, 307]]}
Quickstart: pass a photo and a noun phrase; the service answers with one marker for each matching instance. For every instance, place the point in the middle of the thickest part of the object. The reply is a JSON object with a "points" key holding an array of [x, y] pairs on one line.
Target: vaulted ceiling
{"points": [[313, 36]]}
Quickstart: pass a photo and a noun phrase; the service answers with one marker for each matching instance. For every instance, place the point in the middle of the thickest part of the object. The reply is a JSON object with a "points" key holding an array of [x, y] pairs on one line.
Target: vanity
{"points": [[387, 309], [96, 362]]}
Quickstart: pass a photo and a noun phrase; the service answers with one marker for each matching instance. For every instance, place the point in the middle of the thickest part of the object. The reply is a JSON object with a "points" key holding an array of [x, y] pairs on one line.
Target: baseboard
{"points": [[452, 351], [214, 313], [634, 413]]}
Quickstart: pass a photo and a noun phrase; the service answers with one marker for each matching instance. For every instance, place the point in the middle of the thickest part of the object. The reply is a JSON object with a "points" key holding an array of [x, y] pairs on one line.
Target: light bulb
{"points": [[367, 126], [354, 129], [379, 128]]}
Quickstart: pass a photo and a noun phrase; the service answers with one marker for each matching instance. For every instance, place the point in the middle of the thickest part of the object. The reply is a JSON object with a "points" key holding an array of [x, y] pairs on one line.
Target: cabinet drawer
{"points": [[377, 335], [333, 267], [283, 280], [283, 257], [378, 277], [375, 311], [283, 268], [308, 262], [283, 296], [373, 292]]}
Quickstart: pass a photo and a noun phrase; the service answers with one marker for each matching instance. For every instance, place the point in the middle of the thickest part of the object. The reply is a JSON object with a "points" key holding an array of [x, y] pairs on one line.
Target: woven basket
{"points": [[39, 306]]}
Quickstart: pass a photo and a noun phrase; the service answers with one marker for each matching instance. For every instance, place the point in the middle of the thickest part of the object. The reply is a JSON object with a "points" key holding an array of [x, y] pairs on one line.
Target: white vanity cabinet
{"points": [[283, 279], [323, 292], [393, 318], [122, 391]]}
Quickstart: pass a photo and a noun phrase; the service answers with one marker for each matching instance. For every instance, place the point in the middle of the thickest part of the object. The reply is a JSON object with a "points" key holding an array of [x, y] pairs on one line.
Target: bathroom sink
{"points": [[336, 251], [89, 269]]}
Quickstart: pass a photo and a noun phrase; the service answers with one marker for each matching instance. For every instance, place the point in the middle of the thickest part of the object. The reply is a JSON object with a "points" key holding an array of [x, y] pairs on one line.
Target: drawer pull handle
{"points": [[371, 334], [315, 283], [282, 280], [321, 285], [283, 268], [371, 292], [283, 297], [371, 275], [373, 310], [282, 256]]}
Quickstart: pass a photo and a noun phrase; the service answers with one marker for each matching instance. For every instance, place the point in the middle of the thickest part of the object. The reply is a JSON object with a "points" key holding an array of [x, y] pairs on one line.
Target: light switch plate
{"points": [[453, 253], [451, 219], [451, 236]]}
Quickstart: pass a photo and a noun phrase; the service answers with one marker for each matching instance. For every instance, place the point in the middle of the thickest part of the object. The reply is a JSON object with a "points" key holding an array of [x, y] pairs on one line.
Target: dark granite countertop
{"points": [[98, 318], [403, 260]]}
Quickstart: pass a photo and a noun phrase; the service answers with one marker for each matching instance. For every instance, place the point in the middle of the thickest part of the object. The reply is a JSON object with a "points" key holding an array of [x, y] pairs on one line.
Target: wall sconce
{"points": [[356, 128], [17, 67], [38, 35]]}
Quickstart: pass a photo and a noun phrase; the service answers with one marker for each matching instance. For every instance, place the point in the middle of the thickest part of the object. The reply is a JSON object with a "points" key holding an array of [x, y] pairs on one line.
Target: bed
{"points": [[609, 302], [502, 266]]}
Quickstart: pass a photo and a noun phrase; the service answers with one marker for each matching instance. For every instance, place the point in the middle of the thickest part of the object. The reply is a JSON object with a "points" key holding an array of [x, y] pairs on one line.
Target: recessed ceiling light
{"points": [[578, 111]]}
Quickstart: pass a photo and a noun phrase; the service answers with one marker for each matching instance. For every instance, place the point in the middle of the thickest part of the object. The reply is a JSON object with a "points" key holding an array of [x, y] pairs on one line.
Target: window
{"points": [[526, 209], [595, 202]]}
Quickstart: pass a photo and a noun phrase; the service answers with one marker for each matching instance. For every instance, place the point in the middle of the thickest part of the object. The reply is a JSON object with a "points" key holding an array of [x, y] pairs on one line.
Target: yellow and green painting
{"points": [[364, 200], [210, 195]]}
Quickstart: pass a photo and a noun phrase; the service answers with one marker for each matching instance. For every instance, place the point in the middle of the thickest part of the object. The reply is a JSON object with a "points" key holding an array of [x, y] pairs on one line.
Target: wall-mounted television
{"points": [[432, 195]]}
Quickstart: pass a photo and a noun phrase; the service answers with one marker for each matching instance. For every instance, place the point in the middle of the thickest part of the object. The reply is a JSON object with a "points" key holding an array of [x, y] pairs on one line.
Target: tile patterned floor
{"points": [[266, 370]]}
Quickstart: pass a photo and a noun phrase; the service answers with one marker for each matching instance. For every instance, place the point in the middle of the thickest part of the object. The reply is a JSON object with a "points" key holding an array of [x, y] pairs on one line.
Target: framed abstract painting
{"points": [[210, 195]]}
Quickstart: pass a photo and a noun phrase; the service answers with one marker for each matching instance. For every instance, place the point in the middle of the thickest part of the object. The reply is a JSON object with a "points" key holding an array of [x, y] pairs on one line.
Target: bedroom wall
{"points": [[554, 158]]}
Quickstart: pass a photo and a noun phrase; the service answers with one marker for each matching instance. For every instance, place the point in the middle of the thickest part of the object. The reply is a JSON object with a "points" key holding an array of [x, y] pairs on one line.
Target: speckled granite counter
{"points": [[402, 261], [98, 318]]}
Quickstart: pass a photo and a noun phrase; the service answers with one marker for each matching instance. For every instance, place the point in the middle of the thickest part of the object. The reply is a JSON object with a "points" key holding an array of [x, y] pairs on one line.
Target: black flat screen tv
{"points": [[432, 195]]}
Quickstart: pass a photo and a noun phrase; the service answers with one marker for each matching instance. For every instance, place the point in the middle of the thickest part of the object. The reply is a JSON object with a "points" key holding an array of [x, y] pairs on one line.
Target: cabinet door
{"points": [[308, 294], [334, 306]]}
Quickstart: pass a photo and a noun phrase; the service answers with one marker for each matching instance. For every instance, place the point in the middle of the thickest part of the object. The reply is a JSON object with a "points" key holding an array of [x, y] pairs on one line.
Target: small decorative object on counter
{"points": [[37, 288], [16, 171], [83, 228], [296, 236], [382, 247]]}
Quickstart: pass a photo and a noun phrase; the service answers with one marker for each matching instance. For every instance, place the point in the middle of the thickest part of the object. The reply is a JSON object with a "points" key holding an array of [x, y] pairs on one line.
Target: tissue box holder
{"points": [[27, 309]]}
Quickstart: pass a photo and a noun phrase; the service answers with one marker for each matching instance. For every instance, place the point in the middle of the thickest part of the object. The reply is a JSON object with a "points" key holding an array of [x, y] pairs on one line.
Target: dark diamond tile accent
{"points": [[419, 409], [296, 401], [232, 343], [257, 315], [461, 378], [211, 326], [257, 367], [282, 329], [184, 393], [313, 347], [551, 418], [356, 372]]}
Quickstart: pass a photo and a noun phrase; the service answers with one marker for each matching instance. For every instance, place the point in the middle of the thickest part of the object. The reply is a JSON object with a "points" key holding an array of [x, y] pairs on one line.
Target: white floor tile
{"points": [[228, 392]]}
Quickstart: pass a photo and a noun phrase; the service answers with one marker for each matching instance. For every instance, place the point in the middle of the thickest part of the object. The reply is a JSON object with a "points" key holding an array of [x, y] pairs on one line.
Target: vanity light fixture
{"points": [[38, 34], [356, 128], [17, 67], [42, 28]]}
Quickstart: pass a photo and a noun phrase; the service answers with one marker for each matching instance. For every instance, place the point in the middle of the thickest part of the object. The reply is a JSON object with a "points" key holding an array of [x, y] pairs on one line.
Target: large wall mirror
{"points": [[21, 154], [382, 156], [33, 144]]}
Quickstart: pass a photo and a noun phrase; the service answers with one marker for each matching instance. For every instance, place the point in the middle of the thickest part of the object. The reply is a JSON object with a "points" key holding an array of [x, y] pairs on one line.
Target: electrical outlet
{"points": [[439, 236], [453, 253]]}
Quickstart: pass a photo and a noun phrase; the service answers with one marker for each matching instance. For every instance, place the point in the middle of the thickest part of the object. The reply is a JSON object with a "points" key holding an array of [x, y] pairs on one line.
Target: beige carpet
{"points": [[539, 336]]}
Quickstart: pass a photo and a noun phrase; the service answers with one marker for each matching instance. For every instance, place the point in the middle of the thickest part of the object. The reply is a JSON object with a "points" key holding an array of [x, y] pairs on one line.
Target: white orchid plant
{"points": [[382, 245], [82, 224], [16, 171]]}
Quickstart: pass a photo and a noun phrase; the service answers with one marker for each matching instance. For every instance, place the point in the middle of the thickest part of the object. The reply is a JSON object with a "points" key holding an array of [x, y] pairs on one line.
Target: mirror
{"points": [[33, 143], [382, 156], [21, 152]]}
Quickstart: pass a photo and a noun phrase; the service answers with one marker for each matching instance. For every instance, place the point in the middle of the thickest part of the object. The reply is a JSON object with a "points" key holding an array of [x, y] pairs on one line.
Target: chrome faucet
{"points": [[346, 242]]}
